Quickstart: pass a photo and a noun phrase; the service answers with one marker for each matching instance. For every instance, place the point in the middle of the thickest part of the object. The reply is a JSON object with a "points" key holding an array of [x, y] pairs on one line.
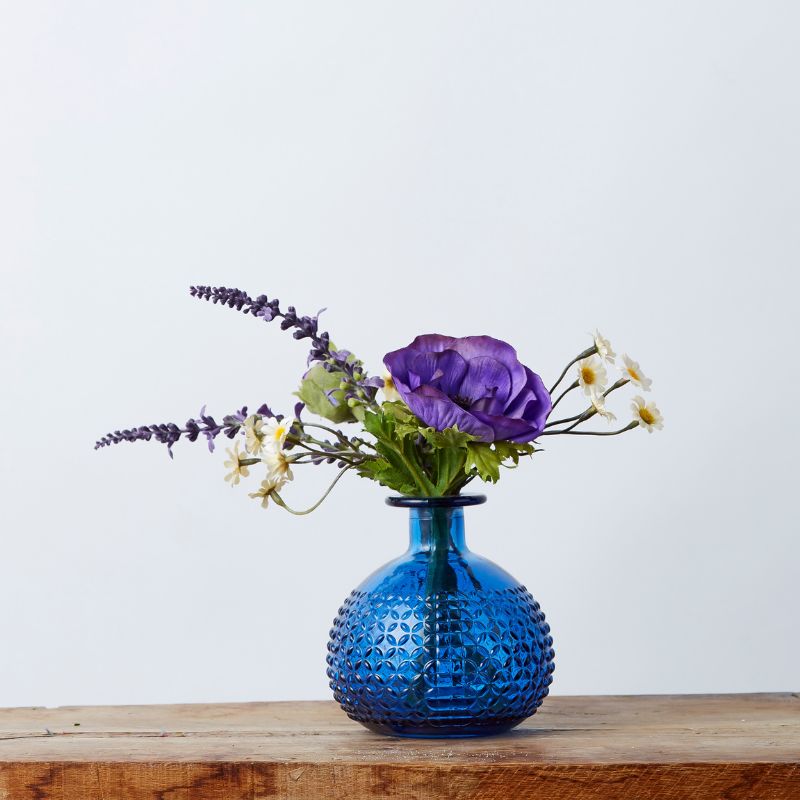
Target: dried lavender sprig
{"points": [[168, 432], [359, 386]]}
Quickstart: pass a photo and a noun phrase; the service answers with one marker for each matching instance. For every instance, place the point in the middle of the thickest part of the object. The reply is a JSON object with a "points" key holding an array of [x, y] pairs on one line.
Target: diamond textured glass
{"points": [[440, 642]]}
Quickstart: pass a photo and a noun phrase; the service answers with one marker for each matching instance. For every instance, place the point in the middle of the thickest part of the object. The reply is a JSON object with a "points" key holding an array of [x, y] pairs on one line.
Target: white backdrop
{"points": [[528, 170]]}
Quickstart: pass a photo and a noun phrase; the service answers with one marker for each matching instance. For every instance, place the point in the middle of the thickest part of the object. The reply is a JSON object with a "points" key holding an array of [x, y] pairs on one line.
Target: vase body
{"points": [[440, 642]]}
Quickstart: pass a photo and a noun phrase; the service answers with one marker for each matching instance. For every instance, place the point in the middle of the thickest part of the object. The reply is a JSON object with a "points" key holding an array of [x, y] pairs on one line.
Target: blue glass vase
{"points": [[440, 642]]}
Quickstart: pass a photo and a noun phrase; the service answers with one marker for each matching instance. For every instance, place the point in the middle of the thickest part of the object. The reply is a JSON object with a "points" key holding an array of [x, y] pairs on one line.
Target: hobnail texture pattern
{"points": [[467, 661]]}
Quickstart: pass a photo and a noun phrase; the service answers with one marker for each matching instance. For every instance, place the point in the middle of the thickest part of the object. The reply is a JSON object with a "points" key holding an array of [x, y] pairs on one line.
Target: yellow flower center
{"points": [[588, 375], [647, 416], [633, 373]]}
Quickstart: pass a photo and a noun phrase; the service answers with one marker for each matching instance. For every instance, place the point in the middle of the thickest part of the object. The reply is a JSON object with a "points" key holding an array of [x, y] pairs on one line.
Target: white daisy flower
{"points": [[268, 486], [634, 374], [254, 434], [238, 470], [390, 393], [279, 465], [599, 404], [603, 347], [275, 432], [592, 376], [647, 414]]}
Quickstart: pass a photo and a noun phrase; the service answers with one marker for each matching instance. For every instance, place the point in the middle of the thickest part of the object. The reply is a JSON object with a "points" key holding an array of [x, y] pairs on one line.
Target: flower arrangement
{"points": [[448, 410]]}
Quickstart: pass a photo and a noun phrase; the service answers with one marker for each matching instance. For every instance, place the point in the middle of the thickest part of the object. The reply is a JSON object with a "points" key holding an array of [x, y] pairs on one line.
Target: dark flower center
{"points": [[463, 402]]}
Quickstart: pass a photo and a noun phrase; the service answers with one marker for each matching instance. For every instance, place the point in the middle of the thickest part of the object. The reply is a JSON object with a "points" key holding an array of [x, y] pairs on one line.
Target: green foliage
{"points": [[486, 459], [316, 390], [415, 459], [398, 466], [513, 450], [398, 411], [449, 437]]}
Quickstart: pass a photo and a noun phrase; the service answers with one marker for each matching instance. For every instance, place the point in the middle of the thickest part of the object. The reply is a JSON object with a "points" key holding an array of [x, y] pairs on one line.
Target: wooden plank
{"points": [[737, 747]]}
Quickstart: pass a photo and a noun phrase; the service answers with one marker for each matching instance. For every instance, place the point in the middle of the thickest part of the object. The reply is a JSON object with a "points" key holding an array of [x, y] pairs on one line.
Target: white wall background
{"points": [[529, 170]]}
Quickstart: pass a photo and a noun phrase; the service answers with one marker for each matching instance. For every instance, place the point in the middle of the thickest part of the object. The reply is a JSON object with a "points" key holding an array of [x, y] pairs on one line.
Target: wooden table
{"points": [[736, 747]]}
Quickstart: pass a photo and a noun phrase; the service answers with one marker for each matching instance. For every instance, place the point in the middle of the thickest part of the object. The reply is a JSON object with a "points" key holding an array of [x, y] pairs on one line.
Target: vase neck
{"points": [[436, 528]]}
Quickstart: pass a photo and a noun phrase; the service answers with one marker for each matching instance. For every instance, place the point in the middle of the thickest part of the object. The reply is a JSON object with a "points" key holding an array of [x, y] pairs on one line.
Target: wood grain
{"points": [[736, 747]]}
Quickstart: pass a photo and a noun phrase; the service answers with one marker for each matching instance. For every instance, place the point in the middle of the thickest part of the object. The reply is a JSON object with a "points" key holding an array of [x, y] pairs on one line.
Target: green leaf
{"points": [[380, 426], [513, 450], [448, 467], [404, 429], [316, 390], [383, 472], [393, 441], [449, 437], [398, 411], [485, 460]]}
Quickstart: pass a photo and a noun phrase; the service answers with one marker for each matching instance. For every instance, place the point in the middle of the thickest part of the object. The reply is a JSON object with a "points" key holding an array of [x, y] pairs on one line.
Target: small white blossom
{"points": [[599, 404], [275, 432], [254, 434], [268, 487], [603, 347], [238, 470], [279, 465], [390, 392], [647, 414], [592, 376], [634, 374]]}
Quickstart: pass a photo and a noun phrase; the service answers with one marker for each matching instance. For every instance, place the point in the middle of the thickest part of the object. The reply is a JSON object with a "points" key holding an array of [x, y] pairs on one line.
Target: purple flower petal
{"points": [[486, 378], [476, 383], [438, 411], [475, 346], [534, 391], [432, 343], [444, 370], [508, 428], [397, 362], [488, 405]]}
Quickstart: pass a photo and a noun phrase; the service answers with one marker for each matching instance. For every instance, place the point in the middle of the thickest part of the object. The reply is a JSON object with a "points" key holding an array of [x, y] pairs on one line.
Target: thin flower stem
{"points": [[279, 500], [565, 392], [338, 434], [629, 427], [355, 443], [618, 385], [565, 420], [304, 441], [584, 415], [585, 354], [339, 455]]}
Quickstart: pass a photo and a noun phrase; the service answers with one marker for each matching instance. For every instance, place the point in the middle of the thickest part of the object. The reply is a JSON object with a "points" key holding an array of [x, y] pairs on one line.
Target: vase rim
{"points": [[453, 501]]}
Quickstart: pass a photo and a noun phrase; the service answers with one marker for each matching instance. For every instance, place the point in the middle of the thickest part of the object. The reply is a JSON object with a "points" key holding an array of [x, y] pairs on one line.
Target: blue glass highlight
{"points": [[440, 642]]}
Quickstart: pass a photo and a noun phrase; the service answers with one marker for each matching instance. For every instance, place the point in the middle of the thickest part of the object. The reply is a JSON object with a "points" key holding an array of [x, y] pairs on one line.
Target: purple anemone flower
{"points": [[476, 383]]}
